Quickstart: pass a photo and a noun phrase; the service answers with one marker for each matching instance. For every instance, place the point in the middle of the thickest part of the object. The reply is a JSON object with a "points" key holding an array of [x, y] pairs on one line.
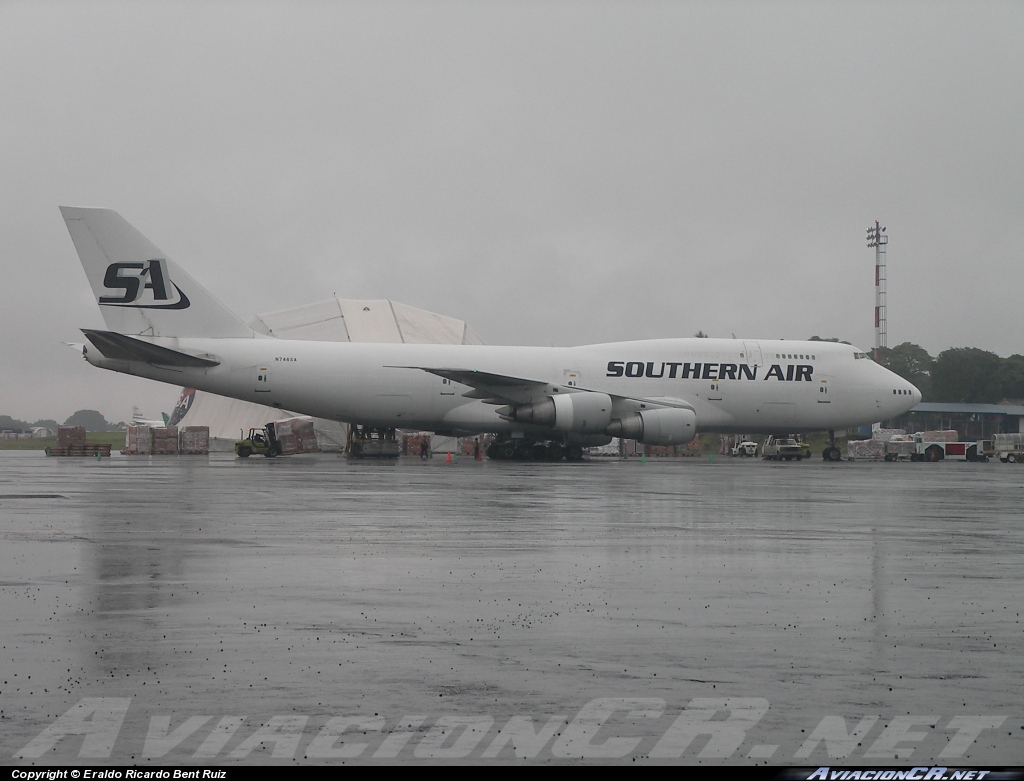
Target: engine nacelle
{"points": [[663, 426], [582, 413]]}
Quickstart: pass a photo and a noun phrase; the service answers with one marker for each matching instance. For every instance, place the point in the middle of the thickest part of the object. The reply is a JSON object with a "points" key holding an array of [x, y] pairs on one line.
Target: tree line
{"points": [[89, 418], [960, 375]]}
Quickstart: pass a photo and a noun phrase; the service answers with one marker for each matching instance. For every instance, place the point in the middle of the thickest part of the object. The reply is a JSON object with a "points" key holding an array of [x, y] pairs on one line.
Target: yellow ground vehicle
{"points": [[261, 441]]}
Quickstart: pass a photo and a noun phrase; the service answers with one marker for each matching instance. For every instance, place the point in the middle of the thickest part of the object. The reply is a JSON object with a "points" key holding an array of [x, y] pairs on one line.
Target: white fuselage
{"points": [[733, 385]]}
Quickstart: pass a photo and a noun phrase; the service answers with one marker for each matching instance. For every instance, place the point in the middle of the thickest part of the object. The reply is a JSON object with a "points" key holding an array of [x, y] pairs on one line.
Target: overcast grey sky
{"points": [[552, 173]]}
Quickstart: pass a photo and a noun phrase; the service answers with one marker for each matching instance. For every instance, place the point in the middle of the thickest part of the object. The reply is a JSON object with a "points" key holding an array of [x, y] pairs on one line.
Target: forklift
{"points": [[261, 441]]}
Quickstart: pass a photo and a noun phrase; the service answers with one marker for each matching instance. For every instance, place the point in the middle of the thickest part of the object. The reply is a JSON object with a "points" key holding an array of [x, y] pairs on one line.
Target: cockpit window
{"points": [[859, 356]]}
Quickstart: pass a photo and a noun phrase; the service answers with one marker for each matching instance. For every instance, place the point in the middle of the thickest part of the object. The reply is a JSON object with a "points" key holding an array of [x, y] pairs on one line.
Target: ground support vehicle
{"points": [[1009, 448], [947, 451], [260, 442], [781, 448], [744, 448], [804, 447], [284, 437], [901, 448]]}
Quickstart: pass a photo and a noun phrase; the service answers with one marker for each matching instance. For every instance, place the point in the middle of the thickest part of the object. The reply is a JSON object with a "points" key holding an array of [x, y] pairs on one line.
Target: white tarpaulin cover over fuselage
{"points": [[334, 320]]}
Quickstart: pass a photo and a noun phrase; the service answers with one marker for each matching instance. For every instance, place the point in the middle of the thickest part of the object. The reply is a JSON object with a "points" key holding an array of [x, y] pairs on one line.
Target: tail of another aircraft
{"points": [[140, 290]]}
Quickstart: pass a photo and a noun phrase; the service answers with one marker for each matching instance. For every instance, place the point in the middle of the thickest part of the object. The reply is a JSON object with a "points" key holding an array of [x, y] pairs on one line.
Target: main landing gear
{"points": [[831, 452], [369, 442], [533, 450]]}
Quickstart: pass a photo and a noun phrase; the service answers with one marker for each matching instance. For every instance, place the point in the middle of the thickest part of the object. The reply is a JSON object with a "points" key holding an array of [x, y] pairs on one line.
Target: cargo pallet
{"points": [[80, 450]]}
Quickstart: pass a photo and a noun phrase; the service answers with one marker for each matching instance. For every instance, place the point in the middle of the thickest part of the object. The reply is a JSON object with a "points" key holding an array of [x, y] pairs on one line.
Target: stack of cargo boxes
{"points": [[71, 442], [194, 440], [295, 435], [131, 440], [412, 444], [138, 440], [166, 440]]}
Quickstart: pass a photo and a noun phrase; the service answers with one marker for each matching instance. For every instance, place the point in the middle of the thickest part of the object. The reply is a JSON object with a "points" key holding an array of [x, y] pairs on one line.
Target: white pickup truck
{"points": [[778, 448]]}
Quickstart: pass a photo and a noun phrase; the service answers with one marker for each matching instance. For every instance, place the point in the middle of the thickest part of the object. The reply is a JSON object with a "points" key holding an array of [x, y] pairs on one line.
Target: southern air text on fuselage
{"points": [[708, 371]]}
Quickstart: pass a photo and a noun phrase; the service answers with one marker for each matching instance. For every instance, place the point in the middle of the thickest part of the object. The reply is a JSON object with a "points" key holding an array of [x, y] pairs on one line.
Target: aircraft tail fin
{"points": [[138, 288]]}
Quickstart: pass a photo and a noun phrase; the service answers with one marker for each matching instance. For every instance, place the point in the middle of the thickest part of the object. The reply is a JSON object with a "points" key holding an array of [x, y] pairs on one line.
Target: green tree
{"points": [[834, 339], [90, 418], [1011, 378], [911, 362], [7, 423], [966, 375]]}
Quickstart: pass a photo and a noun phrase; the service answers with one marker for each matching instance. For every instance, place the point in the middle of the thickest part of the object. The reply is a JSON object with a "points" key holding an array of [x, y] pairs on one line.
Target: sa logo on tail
{"points": [[143, 285]]}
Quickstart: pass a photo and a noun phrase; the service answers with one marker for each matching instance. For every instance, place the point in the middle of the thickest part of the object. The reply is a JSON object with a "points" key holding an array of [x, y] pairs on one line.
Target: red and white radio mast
{"points": [[878, 240]]}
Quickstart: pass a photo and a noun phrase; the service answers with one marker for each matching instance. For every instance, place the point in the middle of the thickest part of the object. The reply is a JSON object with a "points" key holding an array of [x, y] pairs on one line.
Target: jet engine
{"points": [[583, 413], [664, 426]]}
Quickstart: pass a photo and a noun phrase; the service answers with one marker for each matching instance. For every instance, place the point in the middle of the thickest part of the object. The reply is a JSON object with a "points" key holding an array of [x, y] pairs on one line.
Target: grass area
{"points": [[113, 438]]}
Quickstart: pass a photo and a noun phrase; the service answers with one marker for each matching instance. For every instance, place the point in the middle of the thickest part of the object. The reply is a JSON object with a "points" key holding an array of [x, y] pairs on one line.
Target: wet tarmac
{"points": [[198, 610]]}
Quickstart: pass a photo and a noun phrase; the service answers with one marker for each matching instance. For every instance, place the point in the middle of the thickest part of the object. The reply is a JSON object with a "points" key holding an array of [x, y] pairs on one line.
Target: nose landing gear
{"points": [[831, 452]]}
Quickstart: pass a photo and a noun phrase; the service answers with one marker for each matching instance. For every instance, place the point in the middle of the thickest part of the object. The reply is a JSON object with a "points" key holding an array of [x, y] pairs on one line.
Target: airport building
{"points": [[972, 421]]}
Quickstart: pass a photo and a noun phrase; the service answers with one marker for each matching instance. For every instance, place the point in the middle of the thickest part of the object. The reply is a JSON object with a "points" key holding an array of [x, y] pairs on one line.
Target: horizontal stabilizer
{"points": [[119, 347]]}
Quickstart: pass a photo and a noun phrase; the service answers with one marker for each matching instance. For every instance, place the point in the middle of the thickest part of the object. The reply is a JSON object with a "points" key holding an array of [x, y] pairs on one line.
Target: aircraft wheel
{"points": [[574, 453], [555, 452], [244, 452], [833, 454]]}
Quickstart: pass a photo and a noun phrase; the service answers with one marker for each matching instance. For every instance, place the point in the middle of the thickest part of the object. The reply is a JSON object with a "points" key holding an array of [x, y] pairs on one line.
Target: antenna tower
{"points": [[878, 240]]}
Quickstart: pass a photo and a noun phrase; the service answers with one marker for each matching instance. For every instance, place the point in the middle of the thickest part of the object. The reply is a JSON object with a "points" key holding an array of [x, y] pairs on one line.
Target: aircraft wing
{"points": [[505, 389], [493, 388]]}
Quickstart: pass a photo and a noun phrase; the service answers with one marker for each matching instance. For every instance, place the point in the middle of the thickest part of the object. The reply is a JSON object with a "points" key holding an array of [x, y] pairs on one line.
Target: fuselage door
{"points": [[823, 386], [752, 353], [263, 379]]}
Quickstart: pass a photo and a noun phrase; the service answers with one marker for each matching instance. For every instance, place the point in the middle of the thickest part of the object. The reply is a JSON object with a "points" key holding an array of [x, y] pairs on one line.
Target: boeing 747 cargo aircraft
{"points": [[541, 402]]}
